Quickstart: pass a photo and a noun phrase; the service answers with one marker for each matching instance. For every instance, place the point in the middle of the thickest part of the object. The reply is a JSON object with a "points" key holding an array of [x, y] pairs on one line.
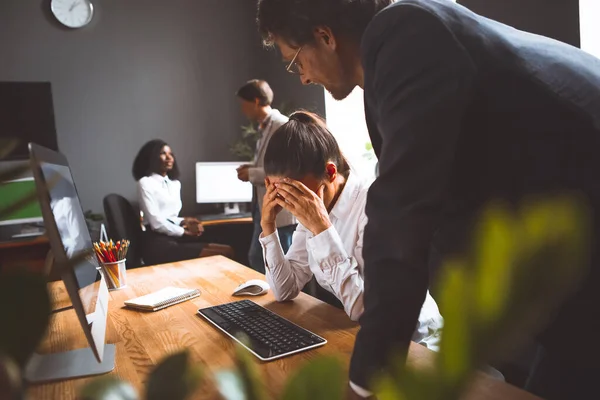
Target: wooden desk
{"points": [[245, 220], [143, 339]]}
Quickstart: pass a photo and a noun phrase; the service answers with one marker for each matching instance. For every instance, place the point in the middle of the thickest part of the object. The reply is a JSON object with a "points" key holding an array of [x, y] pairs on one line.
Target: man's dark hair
{"points": [[302, 146], [256, 89], [295, 20], [147, 161]]}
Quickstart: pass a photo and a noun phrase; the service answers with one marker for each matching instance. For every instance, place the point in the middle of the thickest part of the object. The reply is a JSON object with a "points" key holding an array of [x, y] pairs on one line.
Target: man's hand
{"points": [[304, 204], [243, 172]]}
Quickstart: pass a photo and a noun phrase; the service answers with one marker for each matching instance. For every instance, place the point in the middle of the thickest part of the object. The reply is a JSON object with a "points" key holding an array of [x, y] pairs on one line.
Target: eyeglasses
{"points": [[293, 67]]}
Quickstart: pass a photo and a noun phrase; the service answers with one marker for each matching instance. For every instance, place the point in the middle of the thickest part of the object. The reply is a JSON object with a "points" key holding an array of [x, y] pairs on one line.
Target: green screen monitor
{"points": [[12, 191]]}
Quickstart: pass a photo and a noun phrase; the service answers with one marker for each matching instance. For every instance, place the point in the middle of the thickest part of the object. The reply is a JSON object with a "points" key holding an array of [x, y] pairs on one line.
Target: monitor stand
{"points": [[43, 368], [71, 364], [231, 208]]}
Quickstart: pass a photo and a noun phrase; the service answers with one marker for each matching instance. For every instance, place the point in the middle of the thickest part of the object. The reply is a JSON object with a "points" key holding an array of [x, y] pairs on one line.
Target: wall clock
{"points": [[73, 13]]}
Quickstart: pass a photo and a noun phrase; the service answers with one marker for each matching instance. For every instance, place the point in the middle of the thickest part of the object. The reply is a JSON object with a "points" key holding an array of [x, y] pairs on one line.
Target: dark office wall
{"points": [[558, 19], [142, 69]]}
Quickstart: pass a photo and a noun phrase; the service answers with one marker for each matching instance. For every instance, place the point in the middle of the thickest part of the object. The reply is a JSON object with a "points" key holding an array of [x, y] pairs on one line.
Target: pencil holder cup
{"points": [[115, 274]]}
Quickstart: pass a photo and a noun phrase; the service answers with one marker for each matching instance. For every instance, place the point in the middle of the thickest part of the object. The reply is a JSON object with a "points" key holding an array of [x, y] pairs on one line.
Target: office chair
{"points": [[124, 223]]}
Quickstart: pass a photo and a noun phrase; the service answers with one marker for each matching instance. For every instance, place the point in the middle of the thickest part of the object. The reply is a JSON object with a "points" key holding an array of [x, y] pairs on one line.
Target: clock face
{"points": [[73, 13]]}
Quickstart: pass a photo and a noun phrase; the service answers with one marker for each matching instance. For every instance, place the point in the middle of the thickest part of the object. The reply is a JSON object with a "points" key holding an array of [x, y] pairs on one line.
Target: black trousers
{"points": [[160, 249]]}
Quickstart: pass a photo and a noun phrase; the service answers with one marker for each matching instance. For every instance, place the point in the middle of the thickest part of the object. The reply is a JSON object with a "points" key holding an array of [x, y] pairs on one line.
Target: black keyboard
{"points": [[214, 217], [269, 336]]}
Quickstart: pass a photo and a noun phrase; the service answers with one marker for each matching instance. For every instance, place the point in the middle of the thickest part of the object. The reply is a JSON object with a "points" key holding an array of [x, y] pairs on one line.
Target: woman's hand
{"points": [[270, 209], [304, 204], [192, 226]]}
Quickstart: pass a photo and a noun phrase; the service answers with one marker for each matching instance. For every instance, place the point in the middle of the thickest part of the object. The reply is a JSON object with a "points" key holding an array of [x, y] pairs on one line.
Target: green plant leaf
{"points": [[230, 385], [23, 294], [108, 388], [409, 384], [553, 247], [455, 351], [11, 387], [389, 389], [242, 150], [173, 378], [90, 215], [248, 373], [496, 240], [321, 379]]}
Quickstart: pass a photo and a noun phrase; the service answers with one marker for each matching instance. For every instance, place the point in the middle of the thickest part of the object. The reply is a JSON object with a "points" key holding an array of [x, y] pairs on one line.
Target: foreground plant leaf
{"points": [[320, 379], [174, 378], [108, 388], [20, 335], [11, 387], [248, 372]]}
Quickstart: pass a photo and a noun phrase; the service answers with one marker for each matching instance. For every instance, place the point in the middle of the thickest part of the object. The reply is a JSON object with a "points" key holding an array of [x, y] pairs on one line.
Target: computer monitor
{"points": [[68, 235], [11, 191], [217, 182], [27, 115]]}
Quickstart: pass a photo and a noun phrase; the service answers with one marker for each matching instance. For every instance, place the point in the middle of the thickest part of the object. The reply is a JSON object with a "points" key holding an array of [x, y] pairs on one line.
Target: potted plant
{"points": [[94, 222], [245, 146]]}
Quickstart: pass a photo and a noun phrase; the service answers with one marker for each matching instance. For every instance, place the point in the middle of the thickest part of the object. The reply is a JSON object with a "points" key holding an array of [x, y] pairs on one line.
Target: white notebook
{"points": [[162, 298]]}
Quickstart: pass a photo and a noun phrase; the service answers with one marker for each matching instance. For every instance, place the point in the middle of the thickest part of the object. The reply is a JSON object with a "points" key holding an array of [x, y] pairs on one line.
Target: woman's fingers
{"points": [[320, 192], [288, 192], [299, 186], [284, 204]]}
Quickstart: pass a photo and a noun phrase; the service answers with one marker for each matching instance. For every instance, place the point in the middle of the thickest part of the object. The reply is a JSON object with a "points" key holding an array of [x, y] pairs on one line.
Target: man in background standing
{"points": [[256, 97]]}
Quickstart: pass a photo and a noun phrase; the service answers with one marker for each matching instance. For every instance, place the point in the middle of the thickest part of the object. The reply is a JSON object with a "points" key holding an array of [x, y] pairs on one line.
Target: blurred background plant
{"points": [[521, 266], [244, 147], [94, 222], [369, 153]]}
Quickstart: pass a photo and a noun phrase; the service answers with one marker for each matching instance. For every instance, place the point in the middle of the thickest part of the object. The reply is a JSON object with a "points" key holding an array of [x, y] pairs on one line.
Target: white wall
{"points": [[346, 120], [589, 24]]}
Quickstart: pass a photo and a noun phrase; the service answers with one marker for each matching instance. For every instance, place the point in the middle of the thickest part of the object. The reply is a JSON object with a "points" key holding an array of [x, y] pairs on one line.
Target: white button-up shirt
{"points": [[160, 200], [334, 257]]}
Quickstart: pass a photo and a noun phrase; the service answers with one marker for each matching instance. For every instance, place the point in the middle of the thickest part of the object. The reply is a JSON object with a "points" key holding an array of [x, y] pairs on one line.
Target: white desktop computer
{"points": [[217, 182], [69, 237]]}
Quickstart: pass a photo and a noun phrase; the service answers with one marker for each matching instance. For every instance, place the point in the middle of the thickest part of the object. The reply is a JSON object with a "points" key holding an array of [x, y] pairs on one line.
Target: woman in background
{"points": [[308, 176], [168, 237]]}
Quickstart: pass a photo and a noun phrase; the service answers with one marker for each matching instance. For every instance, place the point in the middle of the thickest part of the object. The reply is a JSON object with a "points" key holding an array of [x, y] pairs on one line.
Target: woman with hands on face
{"points": [[308, 176]]}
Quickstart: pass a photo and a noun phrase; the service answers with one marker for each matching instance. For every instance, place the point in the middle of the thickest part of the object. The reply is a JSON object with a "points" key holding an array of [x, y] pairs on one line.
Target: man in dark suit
{"points": [[460, 110]]}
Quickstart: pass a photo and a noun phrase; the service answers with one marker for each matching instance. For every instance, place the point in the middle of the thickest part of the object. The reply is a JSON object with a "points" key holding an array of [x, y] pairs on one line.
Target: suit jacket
{"points": [[462, 109], [257, 171]]}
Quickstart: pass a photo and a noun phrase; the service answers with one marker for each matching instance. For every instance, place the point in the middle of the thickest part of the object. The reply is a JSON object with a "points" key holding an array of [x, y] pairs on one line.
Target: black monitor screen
{"points": [[73, 230], [27, 114]]}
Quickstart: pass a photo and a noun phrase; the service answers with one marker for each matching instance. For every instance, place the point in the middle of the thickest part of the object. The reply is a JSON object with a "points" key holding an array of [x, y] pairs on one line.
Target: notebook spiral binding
{"points": [[175, 300]]}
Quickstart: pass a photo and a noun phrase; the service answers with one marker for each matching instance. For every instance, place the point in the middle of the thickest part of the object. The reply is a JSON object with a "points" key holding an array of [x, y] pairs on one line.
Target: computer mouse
{"points": [[253, 287]]}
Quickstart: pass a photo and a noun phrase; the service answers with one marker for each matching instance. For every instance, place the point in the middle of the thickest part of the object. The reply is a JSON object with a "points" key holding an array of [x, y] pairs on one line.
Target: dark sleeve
{"points": [[418, 81]]}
